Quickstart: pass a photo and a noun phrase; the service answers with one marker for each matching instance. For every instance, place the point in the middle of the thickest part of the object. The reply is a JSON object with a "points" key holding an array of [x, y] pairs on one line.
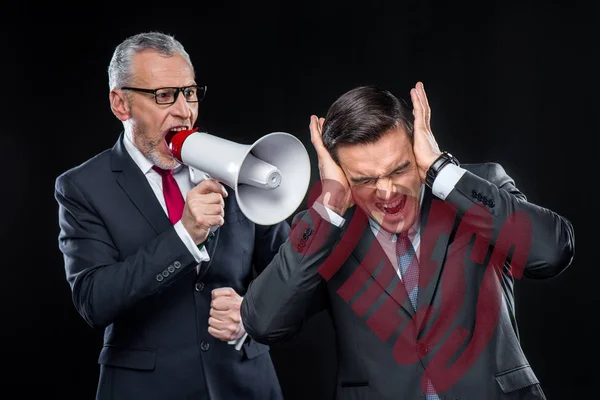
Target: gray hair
{"points": [[119, 69]]}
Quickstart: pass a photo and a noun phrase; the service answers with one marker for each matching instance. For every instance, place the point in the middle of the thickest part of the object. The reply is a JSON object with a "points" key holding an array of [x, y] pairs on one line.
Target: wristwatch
{"points": [[444, 159]]}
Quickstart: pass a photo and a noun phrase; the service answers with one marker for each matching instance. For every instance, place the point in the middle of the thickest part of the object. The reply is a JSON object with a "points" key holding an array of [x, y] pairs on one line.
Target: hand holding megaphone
{"points": [[204, 209]]}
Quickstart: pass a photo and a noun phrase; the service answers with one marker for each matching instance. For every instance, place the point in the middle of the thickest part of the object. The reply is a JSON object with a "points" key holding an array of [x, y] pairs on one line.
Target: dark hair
{"points": [[362, 116]]}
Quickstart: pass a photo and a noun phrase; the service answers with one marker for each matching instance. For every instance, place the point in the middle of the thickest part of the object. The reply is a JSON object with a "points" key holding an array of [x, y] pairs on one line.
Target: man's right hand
{"points": [[204, 208], [335, 194]]}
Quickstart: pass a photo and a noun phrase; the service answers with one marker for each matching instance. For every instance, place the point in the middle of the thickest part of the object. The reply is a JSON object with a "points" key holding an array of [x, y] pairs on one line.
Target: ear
{"points": [[119, 105]]}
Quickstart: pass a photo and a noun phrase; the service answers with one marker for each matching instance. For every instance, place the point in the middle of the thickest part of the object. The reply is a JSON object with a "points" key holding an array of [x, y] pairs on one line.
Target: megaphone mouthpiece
{"points": [[175, 142], [259, 173]]}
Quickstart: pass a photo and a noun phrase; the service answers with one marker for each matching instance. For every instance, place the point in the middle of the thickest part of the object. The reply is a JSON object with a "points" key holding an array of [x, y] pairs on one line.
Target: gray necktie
{"points": [[409, 271], [409, 266]]}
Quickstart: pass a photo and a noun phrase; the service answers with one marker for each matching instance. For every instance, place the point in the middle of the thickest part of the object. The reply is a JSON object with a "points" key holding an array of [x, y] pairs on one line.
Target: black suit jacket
{"points": [[464, 336], [131, 274]]}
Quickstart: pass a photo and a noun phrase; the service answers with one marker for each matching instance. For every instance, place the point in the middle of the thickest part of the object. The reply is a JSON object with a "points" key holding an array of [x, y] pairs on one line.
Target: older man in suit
{"points": [[141, 254], [414, 255]]}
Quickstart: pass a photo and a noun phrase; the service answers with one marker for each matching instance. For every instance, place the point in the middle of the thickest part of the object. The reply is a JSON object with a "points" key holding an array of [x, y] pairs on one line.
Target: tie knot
{"points": [[162, 172]]}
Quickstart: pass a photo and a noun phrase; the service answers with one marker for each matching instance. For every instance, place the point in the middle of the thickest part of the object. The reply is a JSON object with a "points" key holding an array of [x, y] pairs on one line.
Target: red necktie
{"points": [[172, 194]]}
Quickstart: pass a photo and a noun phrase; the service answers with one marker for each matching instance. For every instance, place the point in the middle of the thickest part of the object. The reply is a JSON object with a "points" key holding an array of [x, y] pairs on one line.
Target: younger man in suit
{"points": [[415, 256]]}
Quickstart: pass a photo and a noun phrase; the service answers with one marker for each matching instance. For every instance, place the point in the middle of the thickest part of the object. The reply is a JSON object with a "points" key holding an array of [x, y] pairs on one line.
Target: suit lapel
{"points": [[134, 184], [437, 221], [375, 261]]}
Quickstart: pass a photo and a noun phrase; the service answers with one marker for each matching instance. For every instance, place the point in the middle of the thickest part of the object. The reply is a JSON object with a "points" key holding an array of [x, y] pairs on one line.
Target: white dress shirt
{"points": [[184, 181]]}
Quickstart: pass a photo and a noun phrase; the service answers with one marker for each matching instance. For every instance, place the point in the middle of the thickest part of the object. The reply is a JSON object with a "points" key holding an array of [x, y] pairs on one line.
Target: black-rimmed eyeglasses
{"points": [[168, 95]]}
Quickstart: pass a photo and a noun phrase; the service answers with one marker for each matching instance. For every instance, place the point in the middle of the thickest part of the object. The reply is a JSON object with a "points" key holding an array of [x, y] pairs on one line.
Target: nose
{"points": [[181, 108], [384, 188]]}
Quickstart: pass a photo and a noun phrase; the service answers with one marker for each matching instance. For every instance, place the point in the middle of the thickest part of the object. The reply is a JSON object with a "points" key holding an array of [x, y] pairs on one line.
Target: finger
{"points": [[223, 325], [211, 209], [416, 100], [220, 334], [424, 101], [210, 186], [225, 304], [208, 198], [218, 314], [205, 201], [321, 122], [225, 316], [214, 220], [417, 108], [422, 95], [223, 291], [222, 304], [315, 135]]}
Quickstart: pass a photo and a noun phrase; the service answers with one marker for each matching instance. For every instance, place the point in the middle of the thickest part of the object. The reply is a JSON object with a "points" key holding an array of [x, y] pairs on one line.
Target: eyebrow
{"points": [[401, 168]]}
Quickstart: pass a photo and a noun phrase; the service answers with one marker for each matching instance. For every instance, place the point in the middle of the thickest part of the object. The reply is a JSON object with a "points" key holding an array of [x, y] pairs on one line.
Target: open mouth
{"points": [[172, 132], [393, 207]]}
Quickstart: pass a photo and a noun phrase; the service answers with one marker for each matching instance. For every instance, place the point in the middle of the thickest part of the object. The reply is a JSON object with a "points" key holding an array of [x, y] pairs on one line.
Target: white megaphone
{"points": [[270, 177]]}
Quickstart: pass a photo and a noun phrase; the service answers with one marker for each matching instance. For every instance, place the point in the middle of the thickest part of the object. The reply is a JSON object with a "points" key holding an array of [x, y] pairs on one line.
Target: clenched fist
{"points": [[204, 208], [225, 319]]}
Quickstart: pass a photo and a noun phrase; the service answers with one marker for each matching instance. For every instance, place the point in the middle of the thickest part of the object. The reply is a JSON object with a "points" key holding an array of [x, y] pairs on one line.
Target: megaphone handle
{"points": [[197, 176]]}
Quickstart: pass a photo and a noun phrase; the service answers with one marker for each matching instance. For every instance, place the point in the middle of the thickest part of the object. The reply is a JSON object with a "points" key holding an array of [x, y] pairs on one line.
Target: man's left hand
{"points": [[425, 147], [224, 322]]}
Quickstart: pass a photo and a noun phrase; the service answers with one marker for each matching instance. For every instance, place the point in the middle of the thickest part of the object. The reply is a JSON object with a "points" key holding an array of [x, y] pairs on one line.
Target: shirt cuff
{"points": [[199, 255], [446, 180], [239, 342], [329, 215]]}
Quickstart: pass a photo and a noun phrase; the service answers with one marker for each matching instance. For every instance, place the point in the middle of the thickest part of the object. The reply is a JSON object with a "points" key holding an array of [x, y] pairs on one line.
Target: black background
{"points": [[509, 82]]}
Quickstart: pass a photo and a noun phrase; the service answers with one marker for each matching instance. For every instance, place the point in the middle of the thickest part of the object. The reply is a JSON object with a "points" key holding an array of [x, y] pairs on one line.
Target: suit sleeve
{"points": [[550, 240], [103, 286], [275, 305]]}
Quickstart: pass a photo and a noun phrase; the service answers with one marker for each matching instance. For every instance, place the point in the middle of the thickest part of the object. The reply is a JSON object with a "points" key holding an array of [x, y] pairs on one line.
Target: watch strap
{"points": [[444, 159]]}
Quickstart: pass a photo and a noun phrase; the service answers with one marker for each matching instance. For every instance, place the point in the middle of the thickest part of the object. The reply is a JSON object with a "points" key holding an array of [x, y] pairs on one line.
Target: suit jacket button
{"points": [[474, 194], [199, 286], [171, 268], [491, 203], [177, 264], [159, 277], [204, 346], [165, 273]]}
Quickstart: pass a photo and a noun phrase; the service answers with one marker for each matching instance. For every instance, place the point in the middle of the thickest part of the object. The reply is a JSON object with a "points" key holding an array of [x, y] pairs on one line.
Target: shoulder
{"points": [[85, 173], [494, 173], [487, 170]]}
